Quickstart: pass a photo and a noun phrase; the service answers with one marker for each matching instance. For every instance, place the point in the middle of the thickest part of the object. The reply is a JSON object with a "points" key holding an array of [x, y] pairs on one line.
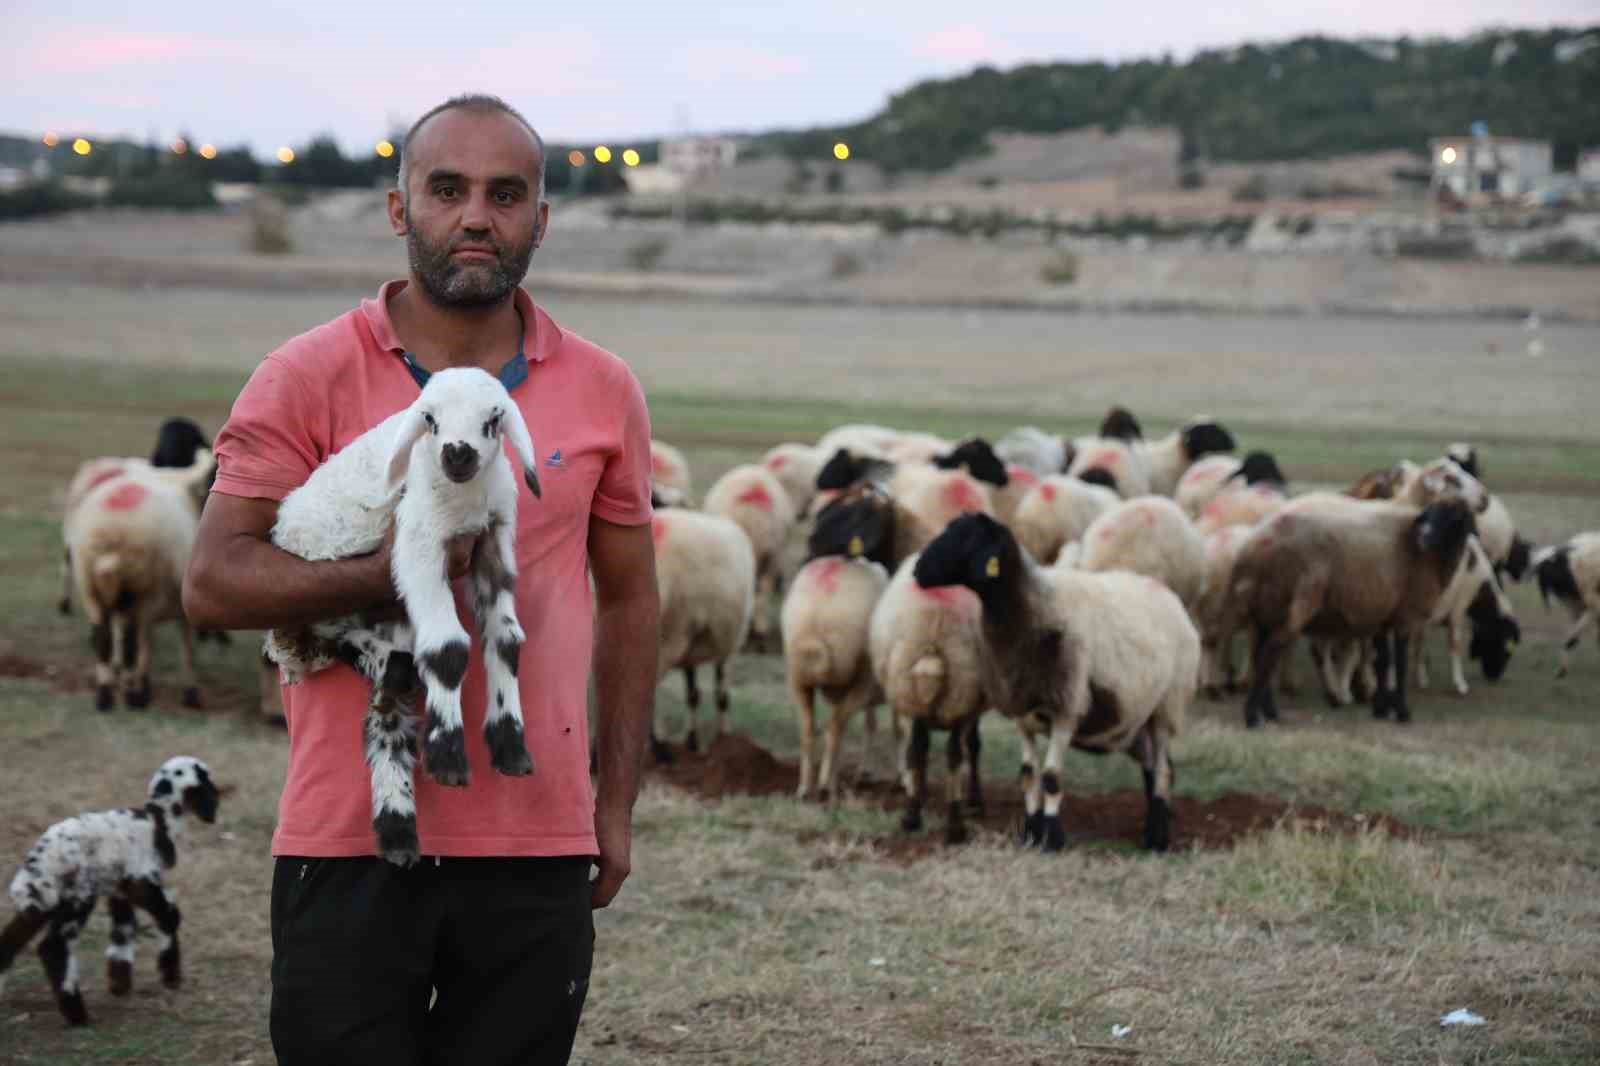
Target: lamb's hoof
{"points": [[73, 1010], [508, 750], [445, 752], [397, 837], [191, 698], [691, 742], [955, 832], [911, 821], [660, 752], [824, 797], [171, 979], [119, 977], [1252, 720], [102, 698], [1033, 830], [1212, 693], [1055, 837], [975, 807], [137, 699], [1158, 827], [1402, 714], [65, 606]]}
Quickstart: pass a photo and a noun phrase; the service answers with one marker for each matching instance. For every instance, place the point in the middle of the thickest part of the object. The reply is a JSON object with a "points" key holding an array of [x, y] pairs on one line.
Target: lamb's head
{"points": [[846, 468], [1119, 424], [1495, 632], [1203, 437], [1443, 528], [1444, 479], [858, 523], [458, 422], [1099, 475], [974, 551], [184, 784], [1258, 468], [177, 442], [978, 458], [1466, 457]]}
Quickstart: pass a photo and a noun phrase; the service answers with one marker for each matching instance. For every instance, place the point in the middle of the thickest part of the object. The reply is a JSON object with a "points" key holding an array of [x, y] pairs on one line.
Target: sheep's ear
{"points": [[522, 443], [410, 430]]}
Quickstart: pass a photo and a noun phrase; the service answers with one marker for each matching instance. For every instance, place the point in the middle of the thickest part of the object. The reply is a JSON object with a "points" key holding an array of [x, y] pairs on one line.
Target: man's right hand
{"points": [[457, 557]]}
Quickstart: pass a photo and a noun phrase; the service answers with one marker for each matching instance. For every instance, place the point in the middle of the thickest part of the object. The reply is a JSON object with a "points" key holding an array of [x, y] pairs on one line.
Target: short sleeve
{"points": [[267, 449], [623, 495]]}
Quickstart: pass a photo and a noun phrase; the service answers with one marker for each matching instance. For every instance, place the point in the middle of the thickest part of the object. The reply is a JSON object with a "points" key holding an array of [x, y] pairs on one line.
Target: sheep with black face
{"points": [[120, 854], [1099, 661]]}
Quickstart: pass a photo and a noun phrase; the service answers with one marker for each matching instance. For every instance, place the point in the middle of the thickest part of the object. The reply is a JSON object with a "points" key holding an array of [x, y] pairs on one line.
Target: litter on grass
{"points": [[1462, 1017]]}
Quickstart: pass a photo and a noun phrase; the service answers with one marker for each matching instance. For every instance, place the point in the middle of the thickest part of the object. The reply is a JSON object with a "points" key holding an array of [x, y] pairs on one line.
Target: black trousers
{"points": [[359, 945]]}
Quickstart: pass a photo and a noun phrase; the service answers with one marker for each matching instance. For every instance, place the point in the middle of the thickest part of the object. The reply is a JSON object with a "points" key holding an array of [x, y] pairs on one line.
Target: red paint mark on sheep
{"points": [[661, 464], [1048, 491], [777, 462], [658, 529], [825, 573], [1108, 458], [756, 496], [953, 598], [125, 497], [962, 494], [1021, 475], [104, 474]]}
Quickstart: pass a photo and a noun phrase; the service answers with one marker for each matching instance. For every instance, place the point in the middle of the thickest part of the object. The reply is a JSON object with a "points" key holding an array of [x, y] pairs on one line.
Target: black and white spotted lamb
{"points": [[438, 469], [120, 854]]}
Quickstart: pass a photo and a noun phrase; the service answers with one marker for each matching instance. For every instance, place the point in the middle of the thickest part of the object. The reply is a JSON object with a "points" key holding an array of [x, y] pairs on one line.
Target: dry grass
{"points": [[758, 930]]}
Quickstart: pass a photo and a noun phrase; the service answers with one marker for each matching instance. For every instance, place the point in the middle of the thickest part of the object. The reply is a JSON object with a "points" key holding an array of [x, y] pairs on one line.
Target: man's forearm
{"points": [[625, 686], [246, 583]]}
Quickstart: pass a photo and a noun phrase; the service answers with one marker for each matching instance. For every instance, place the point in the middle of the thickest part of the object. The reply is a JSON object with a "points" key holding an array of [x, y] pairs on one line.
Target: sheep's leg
{"points": [[1210, 671], [1033, 820], [105, 671], [154, 900], [1260, 704], [805, 699], [136, 659], [1154, 752], [119, 953], [719, 674], [1381, 662], [191, 680], [1402, 709], [502, 636], [1458, 642], [761, 615], [390, 729], [57, 952], [65, 606], [1055, 837], [21, 929], [1285, 679], [916, 774], [1572, 641], [869, 742], [854, 700], [955, 756], [691, 701], [974, 782], [1418, 677], [441, 651]]}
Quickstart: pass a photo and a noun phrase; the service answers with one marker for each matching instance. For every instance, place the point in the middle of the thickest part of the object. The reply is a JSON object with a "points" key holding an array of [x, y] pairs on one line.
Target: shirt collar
{"points": [[541, 337]]}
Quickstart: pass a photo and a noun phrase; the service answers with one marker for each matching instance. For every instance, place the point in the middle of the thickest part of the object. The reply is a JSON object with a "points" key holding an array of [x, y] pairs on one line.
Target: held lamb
{"points": [[438, 469], [119, 854]]}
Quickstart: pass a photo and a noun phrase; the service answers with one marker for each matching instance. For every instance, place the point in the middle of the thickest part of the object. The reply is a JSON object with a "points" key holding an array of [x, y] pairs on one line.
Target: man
{"points": [[496, 917]]}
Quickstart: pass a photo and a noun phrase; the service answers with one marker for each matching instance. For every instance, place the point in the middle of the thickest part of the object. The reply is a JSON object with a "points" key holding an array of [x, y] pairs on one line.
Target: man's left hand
{"points": [[614, 834]]}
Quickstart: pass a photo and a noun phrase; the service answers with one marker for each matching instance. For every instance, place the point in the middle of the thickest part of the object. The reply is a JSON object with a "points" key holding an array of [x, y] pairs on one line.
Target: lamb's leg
{"points": [[916, 775], [1402, 708], [149, 896], [805, 699], [1155, 757], [955, 757], [854, 700], [495, 578], [1458, 642], [390, 729], [60, 960], [1382, 663], [119, 953], [1033, 820], [191, 681], [16, 935], [1055, 837], [105, 671], [869, 742], [719, 673], [441, 652], [1418, 677], [1268, 649], [761, 615], [136, 658], [974, 782], [1572, 641], [691, 701], [65, 606]]}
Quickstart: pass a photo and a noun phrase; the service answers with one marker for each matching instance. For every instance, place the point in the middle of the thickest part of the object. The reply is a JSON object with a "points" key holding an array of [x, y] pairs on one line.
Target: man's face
{"points": [[470, 214]]}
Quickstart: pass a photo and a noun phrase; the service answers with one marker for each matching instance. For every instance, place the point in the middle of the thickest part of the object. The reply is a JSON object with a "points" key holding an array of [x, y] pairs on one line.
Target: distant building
{"points": [[652, 180], [1589, 166], [1489, 168], [691, 156]]}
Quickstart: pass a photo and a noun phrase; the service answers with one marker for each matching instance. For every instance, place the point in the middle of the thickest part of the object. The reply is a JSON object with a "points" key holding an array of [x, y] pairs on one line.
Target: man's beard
{"points": [[452, 284]]}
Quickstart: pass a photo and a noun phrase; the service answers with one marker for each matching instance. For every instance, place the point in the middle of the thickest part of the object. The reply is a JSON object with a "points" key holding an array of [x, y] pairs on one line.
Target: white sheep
{"points": [[1210, 610], [1118, 461], [1169, 458], [1105, 662], [670, 479], [796, 467], [129, 542], [705, 577], [826, 619], [1032, 448], [862, 439], [120, 854], [1202, 481], [753, 498], [1054, 514], [1148, 536], [926, 646], [437, 469], [1571, 573]]}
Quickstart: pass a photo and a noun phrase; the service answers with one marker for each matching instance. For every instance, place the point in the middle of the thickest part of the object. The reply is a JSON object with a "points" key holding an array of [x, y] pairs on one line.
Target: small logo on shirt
{"points": [[555, 462]]}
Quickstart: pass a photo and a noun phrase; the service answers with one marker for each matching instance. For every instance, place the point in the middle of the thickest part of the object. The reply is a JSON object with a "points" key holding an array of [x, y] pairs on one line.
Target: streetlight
{"points": [[180, 146], [208, 151], [630, 157], [575, 158], [602, 154], [51, 140], [841, 151], [384, 149], [1447, 156], [82, 146], [286, 155]]}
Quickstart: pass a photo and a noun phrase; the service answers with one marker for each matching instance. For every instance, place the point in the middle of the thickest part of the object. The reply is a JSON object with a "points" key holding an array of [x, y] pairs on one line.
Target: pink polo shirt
{"points": [[591, 432]]}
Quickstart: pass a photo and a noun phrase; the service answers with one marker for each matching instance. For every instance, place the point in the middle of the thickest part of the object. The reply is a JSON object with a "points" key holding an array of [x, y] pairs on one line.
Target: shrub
{"points": [[834, 182], [646, 254], [181, 194], [269, 226], [845, 264], [1060, 269], [1253, 191], [44, 198]]}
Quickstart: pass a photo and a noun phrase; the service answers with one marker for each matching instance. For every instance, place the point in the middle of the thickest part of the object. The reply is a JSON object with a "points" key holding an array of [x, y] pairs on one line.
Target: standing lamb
{"points": [[705, 576], [1571, 573], [1148, 536], [438, 469], [1056, 512], [755, 500], [1104, 662], [119, 853]]}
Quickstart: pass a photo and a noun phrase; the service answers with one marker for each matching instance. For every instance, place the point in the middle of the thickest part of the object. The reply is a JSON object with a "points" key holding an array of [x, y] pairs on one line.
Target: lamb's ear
{"points": [[522, 444], [410, 430]]}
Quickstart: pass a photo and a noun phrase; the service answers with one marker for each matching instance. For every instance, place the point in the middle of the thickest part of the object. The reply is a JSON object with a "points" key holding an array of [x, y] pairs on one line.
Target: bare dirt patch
{"points": [[735, 765]]}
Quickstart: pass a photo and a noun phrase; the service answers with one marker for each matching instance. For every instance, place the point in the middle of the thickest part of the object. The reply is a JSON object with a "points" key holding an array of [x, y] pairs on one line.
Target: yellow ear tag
{"points": [[856, 547], [992, 568], [1510, 646]]}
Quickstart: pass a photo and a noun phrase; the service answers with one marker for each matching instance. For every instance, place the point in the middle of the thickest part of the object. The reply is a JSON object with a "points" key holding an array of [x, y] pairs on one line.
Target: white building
{"points": [[1478, 168], [698, 155], [1589, 166]]}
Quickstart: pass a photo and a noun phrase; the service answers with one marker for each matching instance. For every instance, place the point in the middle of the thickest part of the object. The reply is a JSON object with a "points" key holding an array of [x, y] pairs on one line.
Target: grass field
{"points": [[755, 929]]}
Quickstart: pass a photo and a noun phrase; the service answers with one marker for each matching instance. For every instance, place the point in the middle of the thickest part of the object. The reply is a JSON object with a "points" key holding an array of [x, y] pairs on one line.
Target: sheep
{"points": [[825, 622], [1251, 493], [917, 448], [796, 467], [1169, 458], [1119, 424], [926, 497], [1102, 661], [1035, 450], [436, 469], [1571, 573], [1055, 513], [753, 498], [865, 522], [925, 645], [1211, 609], [867, 440], [1117, 462], [177, 442], [705, 577], [129, 541], [1344, 569], [670, 480], [1496, 530], [1202, 481], [118, 853], [1007, 499], [1148, 536]]}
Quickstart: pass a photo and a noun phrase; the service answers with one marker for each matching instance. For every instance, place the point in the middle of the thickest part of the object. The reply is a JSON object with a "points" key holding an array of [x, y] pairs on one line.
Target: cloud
{"points": [[91, 52], [717, 61], [966, 45]]}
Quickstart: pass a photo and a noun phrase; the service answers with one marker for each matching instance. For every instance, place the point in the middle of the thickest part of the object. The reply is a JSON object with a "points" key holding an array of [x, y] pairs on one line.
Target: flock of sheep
{"points": [[1085, 588]]}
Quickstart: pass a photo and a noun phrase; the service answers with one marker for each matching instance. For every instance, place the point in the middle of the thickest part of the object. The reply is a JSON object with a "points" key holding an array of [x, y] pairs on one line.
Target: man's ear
{"points": [[396, 203]]}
